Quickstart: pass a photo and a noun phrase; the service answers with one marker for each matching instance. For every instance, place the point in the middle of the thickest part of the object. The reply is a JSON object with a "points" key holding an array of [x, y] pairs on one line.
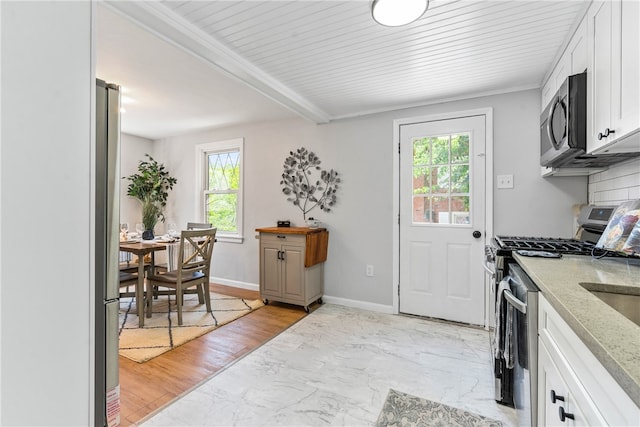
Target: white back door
{"points": [[442, 219]]}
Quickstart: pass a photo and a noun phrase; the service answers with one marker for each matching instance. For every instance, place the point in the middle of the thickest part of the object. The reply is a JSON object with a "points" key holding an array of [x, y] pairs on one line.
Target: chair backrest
{"points": [[196, 247], [198, 225]]}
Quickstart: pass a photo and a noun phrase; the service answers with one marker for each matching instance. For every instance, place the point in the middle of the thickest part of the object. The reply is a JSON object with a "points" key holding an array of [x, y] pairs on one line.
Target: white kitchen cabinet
{"points": [[557, 404], [568, 367], [292, 264], [573, 61], [613, 80]]}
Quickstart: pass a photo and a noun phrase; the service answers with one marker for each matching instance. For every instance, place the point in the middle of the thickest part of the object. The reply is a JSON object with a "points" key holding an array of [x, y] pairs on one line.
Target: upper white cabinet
{"points": [[573, 61], [613, 78]]}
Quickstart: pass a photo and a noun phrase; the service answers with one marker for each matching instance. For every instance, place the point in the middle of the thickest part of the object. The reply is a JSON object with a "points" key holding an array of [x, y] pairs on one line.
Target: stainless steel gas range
{"points": [[513, 335]]}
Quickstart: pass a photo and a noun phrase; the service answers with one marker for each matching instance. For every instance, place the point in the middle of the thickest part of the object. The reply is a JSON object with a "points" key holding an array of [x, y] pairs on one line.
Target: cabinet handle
{"points": [[606, 133], [282, 237], [282, 256], [564, 415], [279, 253], [555, 397]]}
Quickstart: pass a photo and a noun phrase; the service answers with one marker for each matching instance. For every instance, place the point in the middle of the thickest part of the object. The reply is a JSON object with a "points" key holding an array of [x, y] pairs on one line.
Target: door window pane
{"points": [[460, 179], [441, 180], [421, 180], [460, 210], [421, 210]]}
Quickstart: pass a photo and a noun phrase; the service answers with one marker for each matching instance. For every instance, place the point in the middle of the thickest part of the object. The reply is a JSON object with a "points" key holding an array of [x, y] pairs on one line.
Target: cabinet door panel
{"points": [[577, 50], [293, 272], [271, 265], [548, 380], [625, 67], [601, 57]]}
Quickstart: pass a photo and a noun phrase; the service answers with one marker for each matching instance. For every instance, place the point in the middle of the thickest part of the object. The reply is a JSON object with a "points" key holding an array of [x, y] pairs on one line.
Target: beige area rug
{"points": [[161, 332], [404, 410]]}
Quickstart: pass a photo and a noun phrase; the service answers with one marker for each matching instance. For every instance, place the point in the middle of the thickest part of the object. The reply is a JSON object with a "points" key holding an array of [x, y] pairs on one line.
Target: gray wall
{"points": [[45, 217], [361, 226], [133, 149]]}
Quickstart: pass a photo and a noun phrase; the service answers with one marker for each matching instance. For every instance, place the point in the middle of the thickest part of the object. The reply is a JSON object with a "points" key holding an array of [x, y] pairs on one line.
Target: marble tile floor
{"points": [[335, 367]]}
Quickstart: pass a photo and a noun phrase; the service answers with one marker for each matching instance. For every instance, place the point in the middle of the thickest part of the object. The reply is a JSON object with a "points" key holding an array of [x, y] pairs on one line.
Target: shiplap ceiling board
{"points": [[334, 60]]}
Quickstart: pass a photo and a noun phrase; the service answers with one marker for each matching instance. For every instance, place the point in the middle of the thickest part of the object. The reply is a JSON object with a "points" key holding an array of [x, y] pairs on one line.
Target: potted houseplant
{"points": [[151, 186]]}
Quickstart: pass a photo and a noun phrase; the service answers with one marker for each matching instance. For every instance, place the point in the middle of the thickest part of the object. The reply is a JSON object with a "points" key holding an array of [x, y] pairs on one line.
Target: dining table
{"points": [[141, 249]]}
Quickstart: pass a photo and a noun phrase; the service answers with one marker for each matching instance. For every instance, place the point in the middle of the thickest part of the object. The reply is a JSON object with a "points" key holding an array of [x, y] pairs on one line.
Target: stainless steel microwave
{"points": [[563, 124]]}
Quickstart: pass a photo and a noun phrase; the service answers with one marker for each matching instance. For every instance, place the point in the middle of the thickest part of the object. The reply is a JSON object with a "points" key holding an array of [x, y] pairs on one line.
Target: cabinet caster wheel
{"points": [[319, 300], [306, 309], [265, 301]]}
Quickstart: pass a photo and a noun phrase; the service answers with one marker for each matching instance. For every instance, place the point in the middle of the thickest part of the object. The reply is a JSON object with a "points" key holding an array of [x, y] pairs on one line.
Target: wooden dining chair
{"points": [[129, 265], [198, 225], [127, 279], [194, 261]]}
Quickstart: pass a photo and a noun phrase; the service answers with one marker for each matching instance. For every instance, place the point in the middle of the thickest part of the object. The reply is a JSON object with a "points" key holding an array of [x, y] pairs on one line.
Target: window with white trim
{"points": [[219, 174]]}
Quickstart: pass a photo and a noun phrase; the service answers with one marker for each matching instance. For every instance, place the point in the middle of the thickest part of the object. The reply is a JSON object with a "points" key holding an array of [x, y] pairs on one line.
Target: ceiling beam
{"points": [[171, 27]]}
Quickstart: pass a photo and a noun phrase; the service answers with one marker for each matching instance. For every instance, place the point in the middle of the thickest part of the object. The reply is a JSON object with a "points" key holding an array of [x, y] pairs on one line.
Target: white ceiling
{"points": [[192, 65]]}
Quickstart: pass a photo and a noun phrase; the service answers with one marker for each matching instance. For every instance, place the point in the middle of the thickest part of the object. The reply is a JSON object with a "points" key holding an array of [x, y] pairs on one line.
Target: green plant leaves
{"points": [[151, 186]]}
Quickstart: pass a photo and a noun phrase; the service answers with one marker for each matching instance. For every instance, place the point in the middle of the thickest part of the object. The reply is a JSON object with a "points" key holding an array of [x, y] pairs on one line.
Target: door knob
{"points": [[477, 234]]}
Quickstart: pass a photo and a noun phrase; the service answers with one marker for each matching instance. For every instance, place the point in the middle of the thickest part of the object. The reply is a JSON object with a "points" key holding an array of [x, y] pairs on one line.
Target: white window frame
{"points": [[202, 150]]}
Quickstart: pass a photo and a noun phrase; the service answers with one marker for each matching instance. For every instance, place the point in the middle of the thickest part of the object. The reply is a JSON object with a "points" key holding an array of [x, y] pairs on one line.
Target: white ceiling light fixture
{"points": [[394, 13]]}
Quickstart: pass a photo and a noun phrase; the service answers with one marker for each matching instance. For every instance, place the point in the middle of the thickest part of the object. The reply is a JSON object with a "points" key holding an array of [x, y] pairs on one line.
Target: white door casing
{"points": [[439, 264]]}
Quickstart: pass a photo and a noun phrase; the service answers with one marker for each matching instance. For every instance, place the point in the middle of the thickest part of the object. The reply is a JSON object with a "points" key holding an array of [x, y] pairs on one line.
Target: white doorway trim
{"points": [[488, 232]]}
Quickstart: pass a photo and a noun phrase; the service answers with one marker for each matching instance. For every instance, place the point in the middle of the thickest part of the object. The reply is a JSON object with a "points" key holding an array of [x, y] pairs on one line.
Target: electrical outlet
{"points": [[369, 270], [505, 181]]}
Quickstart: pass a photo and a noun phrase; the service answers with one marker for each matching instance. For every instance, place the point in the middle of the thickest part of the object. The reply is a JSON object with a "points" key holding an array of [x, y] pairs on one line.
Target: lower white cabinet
{"points": [[566, 367], [558, 405]]}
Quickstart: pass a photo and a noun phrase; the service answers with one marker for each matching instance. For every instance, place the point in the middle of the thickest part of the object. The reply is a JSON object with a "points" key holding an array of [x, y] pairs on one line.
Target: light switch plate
{"points": [[505, 181]]}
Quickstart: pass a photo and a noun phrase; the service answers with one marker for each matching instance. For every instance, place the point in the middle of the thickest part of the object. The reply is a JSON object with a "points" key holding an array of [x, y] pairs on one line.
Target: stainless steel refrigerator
{"points": [[107, 223]]}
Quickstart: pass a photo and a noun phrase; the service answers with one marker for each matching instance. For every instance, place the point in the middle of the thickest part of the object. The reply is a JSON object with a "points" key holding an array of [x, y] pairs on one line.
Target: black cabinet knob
{"points": [[564, 415], [555, 397], [477, 234], [606, 133]]}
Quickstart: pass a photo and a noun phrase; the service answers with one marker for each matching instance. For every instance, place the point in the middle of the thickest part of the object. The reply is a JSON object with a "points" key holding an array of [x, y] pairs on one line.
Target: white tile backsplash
{"points": [[615, 185]]}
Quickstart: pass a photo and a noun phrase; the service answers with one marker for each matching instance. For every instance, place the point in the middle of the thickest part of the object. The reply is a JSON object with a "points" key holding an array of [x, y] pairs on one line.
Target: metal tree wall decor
{"points": [[302, 189]]}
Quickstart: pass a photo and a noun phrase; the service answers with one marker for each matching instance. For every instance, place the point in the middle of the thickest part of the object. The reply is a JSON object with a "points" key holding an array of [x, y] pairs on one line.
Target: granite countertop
{"points": [[612, 338]]}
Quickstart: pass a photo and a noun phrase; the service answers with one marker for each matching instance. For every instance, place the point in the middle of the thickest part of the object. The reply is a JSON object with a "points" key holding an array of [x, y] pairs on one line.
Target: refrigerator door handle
{"points": [[113, 193]]}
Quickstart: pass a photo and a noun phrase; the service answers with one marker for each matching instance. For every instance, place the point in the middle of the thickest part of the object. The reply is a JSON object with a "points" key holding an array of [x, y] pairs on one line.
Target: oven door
{"points": [[523, 298], [503, 376]]}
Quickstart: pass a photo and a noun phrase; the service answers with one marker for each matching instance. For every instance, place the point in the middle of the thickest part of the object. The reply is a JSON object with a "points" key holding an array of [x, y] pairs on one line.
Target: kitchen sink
{"points": [[624, 299]]}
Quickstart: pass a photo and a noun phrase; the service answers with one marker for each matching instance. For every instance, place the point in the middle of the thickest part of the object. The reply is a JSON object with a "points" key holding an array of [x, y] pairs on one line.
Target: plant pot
{"points": [[147, 235]]}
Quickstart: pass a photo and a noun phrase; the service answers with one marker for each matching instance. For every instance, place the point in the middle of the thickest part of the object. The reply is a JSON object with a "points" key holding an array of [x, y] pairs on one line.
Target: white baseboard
{"points": [[235, 283], [387, 309], [379, 308]]}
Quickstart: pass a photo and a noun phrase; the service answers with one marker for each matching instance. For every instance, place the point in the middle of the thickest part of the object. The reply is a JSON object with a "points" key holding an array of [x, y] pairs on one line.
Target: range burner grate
{"points": [[565, 246]]}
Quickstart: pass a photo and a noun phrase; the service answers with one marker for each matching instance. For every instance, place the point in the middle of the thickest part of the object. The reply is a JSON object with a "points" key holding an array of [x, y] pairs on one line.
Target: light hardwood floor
{"points": [[145, 387]]}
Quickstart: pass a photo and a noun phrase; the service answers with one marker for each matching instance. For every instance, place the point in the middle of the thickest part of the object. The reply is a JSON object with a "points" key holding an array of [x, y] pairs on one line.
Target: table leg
{"points": [[140, 298], [152, 269]]}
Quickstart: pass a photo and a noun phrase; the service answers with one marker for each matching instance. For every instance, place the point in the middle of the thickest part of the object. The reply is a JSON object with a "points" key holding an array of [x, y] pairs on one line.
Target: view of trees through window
{"points": [[221, 194], [441, 179]]}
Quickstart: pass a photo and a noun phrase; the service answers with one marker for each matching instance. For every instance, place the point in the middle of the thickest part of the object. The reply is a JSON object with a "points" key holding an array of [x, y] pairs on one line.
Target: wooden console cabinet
{"points": [[292, 264]]}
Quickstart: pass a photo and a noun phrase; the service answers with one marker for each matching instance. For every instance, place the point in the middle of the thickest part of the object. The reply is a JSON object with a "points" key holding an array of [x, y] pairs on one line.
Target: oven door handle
{"points": [[515, 302], [488, 269]]}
